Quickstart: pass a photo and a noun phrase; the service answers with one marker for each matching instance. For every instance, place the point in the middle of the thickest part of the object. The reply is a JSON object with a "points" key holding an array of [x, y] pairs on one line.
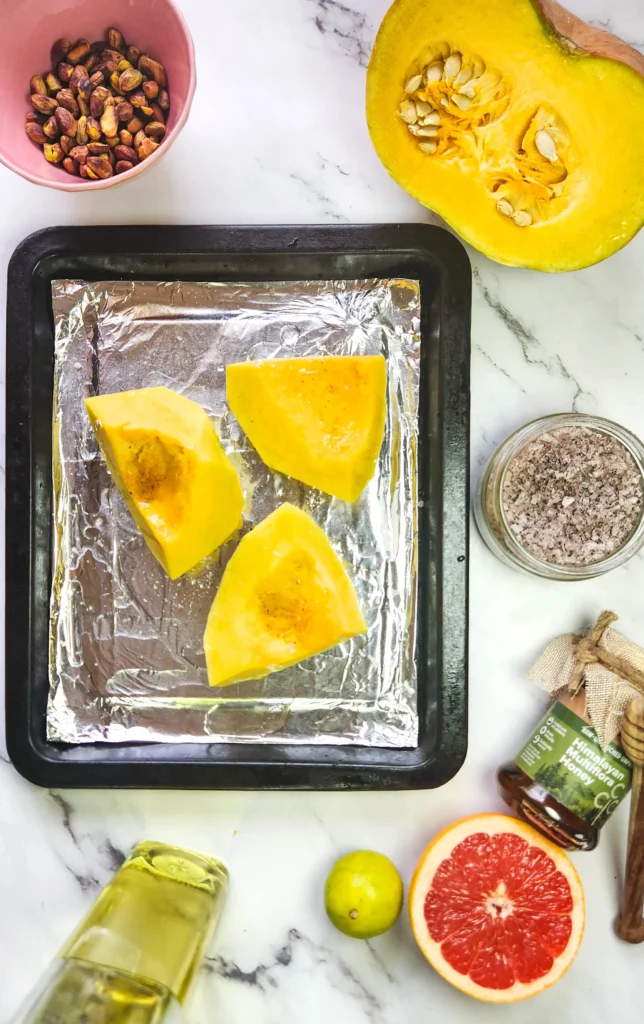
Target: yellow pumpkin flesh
{"points": [[168, 464], [284, 596], [529, 145], [320, 420]]}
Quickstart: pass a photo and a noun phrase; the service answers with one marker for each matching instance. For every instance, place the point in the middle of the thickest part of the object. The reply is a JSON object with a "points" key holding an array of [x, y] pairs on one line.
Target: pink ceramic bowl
{"points": [[29, 27]]}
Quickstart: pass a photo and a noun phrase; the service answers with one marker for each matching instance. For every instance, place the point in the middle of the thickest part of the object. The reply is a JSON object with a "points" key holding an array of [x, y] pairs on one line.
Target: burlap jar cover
{"points": [[610, 666]]}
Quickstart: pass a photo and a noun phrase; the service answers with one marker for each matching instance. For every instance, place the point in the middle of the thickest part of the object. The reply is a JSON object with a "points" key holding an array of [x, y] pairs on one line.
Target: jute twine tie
{"points": [[609, 665], [589, 652]]}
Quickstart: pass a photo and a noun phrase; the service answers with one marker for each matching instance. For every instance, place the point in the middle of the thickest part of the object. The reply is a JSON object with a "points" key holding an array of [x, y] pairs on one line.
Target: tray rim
{"points": [[280, 766]]}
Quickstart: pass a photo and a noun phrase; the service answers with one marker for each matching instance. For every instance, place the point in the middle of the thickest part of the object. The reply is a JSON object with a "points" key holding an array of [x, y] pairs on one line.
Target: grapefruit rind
{"points": [[438, 850]]}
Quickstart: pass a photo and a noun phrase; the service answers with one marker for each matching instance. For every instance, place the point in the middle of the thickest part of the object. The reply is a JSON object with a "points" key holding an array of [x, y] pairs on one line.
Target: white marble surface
{"points": [[277, 134]]}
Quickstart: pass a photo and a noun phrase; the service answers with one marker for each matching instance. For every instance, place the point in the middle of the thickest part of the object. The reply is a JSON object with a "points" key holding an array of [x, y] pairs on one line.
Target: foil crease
{"points": [[126, 651]]}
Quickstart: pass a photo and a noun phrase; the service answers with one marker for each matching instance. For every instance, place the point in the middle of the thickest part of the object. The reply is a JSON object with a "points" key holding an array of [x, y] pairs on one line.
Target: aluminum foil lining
{"points": [[126, 651]]}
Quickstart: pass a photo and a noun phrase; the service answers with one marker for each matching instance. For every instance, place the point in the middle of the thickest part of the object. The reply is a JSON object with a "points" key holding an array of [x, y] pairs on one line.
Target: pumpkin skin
{"points": [[319, 420], [284, 596], [168, 464], [488, 169]]}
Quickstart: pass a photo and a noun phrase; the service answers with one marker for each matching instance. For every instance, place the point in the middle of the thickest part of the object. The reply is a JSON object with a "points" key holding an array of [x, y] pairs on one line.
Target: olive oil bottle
{"points": [[133, 958]]}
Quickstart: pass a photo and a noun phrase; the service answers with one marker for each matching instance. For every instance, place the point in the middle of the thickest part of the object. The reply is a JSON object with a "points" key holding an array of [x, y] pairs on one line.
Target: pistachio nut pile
{"points": [[101, 109]]}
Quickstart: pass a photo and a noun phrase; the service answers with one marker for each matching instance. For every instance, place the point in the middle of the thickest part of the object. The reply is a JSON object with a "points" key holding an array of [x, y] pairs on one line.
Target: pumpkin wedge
{"points": [[320, 420], [284, 596], [168, 464], [516, 122]]}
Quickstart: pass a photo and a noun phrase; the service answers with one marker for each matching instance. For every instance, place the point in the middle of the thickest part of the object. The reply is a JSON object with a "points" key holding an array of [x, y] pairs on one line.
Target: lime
{"points": [[363, 894]]}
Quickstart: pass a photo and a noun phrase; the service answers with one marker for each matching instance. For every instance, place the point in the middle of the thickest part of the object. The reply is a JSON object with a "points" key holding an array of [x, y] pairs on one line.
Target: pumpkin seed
{"points": [[489, 81], [505, 207], [434, 72], [478, 67], [462, 77], [433, 118], [414, 83], [428, 147], [522, 218], [427, 133], [423, 109], [408, 112], [452, 66], [462, 102], [467, 90], [546, 146], [445, 102]]}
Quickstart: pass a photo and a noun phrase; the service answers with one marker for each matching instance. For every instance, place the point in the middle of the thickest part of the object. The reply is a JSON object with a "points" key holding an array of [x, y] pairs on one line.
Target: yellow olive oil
{"points": [[133, 958], [84, 993]]}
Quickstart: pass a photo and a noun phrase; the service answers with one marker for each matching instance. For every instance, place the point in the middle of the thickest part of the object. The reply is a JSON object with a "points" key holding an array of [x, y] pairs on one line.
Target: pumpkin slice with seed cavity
{"points": [[167, 461], [516, 122], [284, 597]]}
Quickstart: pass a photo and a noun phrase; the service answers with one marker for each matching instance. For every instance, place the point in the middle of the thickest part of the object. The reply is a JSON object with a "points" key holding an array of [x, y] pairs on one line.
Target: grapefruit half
{"points": [[497, 909]]}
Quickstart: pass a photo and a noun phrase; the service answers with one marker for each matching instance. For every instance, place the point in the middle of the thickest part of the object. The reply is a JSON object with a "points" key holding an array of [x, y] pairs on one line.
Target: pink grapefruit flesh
{"points": [[497, 909]]}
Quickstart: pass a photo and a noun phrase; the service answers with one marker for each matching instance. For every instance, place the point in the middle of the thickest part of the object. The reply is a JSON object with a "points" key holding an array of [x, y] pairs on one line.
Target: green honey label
{"points": [[564, 756]]}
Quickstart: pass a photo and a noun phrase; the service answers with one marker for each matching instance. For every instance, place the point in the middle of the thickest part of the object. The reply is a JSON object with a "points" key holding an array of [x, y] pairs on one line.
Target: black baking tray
{"points": [[428, 254]]}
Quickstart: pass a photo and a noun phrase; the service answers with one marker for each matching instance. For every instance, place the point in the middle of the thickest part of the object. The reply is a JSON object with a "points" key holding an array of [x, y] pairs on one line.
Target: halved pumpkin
{"points": [[516, 122], [175, 477], [284, 596], [320, 420]]}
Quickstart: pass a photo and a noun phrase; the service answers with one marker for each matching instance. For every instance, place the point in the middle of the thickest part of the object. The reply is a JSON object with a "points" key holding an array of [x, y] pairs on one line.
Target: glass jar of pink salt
{"points": [[563, 497]]}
